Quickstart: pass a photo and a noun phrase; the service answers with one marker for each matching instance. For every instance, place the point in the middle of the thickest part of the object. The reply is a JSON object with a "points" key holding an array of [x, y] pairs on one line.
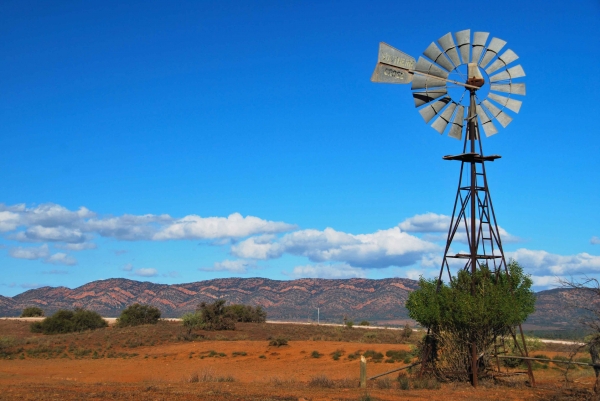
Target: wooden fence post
{"points": [[363, 372]]}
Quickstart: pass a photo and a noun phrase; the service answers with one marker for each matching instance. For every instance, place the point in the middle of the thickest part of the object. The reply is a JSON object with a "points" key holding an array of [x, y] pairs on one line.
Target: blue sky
{"points": [[183, 141]]}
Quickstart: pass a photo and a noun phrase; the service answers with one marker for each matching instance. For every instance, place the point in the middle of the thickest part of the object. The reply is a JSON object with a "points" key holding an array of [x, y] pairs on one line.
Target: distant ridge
{"points": [[295, 300], [283, 300]]}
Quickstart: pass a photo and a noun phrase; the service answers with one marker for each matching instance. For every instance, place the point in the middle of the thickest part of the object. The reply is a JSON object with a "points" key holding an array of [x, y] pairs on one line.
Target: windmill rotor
{"points": [[449, 68]]}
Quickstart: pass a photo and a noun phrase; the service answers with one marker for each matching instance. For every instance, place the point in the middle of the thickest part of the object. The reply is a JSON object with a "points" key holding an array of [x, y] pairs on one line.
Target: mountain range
{"points": [[380, 301]]}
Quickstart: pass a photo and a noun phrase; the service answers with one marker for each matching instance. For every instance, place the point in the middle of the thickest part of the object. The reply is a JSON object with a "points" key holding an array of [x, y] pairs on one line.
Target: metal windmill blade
{"points": [[442, 84]]}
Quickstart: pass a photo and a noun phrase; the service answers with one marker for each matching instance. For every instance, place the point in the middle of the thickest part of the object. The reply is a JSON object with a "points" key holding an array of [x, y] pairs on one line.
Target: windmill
{"points": [[464, 83]]}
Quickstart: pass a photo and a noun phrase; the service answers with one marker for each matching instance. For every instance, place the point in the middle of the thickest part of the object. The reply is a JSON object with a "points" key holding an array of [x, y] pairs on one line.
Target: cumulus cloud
{"points": [[431, 223], [32, 253], [233, 226], [145, 272], [76, 247], [53, 234], [42, 253], [61, 259], [336, 270], [55, 223], [383, 248], [233, 266], [595, 240], [426, 223], [542, 263]]}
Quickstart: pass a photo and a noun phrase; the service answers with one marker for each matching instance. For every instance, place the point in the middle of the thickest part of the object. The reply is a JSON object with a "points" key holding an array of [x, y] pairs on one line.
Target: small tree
{"points": [[136, 314], [216, 316], [406, 331], [66, 321], [192, 321], [457, 317], [247, 313], [32, 311]]}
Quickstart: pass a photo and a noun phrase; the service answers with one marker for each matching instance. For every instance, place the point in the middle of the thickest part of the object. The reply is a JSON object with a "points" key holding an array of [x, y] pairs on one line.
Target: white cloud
{"points": [[145, 272], [61, 259], [336, 270], [545, 281], [377, 250], [50, 222], [233, 266], [233, 226], [9, 221], [53, 234], [426, 223], [595, 240], [414, 274], [76, 247], [128, 267], [542, 263], [32, 253], [43, 253]]}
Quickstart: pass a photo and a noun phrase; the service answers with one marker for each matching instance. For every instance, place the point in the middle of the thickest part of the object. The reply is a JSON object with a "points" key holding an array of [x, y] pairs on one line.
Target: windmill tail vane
{"points": [[463, 82]]}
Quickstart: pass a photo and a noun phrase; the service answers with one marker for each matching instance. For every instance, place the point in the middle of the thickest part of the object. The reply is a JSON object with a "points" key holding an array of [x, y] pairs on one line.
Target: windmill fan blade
{"points": [[517, 89], [511, 104], [435, 54], [503, 118], [492, 50], [503, 60], [512, 73], [463, 39], [479, 39], [428, 112], [457, 123], [442, 121], [449, 47], [422, 98], [488, 127], [422, 82]]}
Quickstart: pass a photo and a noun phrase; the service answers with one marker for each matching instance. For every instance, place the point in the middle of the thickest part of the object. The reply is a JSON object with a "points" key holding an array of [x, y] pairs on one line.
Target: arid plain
{"points": [[160, 362]]}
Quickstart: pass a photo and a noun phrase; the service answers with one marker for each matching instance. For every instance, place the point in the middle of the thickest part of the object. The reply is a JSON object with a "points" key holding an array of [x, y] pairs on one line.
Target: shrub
{"points": [[192, 321], [403, 382], [364, 323], [349, 324], [216, 316], [316, 354], [374, 355], [385, 383], [32, 311], [337, 354], [406, 332], [321, 381], [247, 313], [278, 342], [136, 314], [66, 321]]}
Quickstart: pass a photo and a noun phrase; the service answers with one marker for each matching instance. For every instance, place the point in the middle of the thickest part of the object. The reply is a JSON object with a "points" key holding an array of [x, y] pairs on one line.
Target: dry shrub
{"points": [[321, 381]]}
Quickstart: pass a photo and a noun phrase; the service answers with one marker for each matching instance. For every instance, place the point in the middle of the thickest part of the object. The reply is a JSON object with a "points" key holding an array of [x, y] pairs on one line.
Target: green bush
{"points": [[247, 313], [364, 323], [192, 321], [32, 311], [66, 321], [136, 314], [216, 316], [278, 342], [316, 354], [349, 324]]}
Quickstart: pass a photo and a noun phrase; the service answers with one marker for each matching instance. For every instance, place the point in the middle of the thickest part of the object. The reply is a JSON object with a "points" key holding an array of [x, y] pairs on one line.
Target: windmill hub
{"points": [[475, 79]]}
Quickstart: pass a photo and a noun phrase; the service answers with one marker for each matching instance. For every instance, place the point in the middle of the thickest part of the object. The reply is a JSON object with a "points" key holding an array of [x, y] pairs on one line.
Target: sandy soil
{"points": [[165, 371]]}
